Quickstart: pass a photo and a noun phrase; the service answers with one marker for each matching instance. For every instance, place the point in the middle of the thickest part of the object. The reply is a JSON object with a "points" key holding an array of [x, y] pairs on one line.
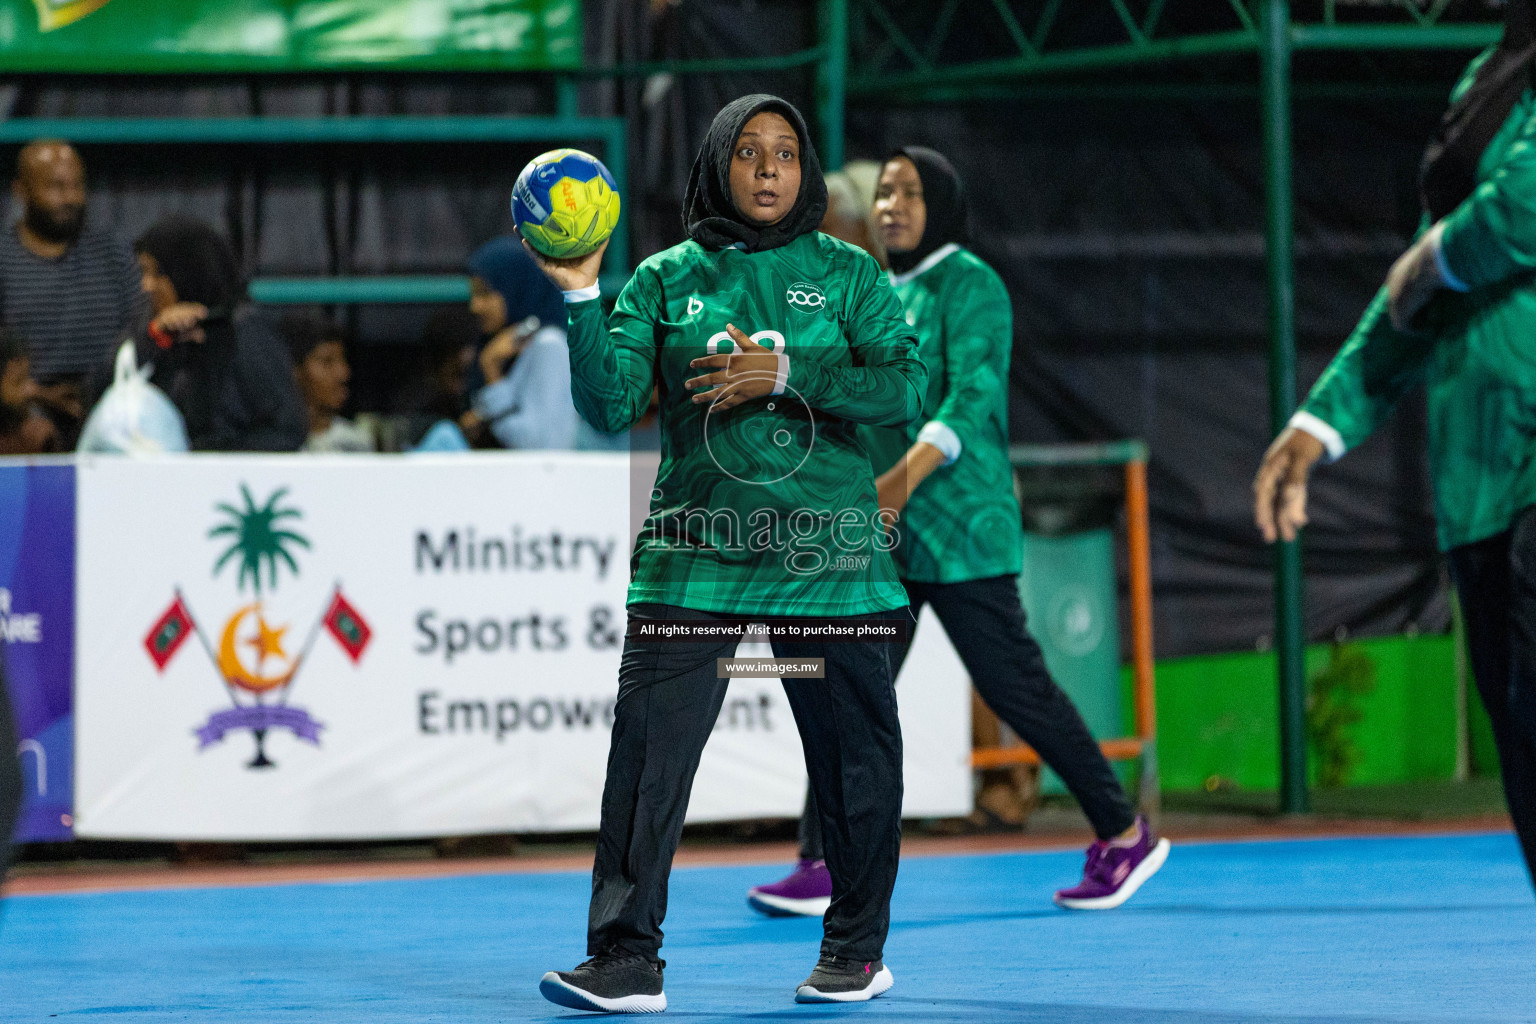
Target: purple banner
{"points": [[259, 716], [37, 626]]}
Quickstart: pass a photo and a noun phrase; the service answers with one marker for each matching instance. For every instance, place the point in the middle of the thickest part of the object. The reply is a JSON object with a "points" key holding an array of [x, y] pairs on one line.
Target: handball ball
{"points": [[565, 203]]}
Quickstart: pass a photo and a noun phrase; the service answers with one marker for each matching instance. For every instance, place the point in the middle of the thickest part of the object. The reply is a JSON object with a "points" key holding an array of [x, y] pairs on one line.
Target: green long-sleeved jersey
{"points": [[962, 522], [1478, 360], [768, 508]]}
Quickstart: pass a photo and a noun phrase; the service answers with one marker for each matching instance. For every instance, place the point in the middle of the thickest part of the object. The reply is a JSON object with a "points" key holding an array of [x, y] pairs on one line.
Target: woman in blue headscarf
{"points": [[526, 398], [507, 286]]}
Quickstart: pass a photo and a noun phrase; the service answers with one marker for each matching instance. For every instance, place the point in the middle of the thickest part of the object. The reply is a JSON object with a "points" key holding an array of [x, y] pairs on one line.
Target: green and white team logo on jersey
{"points": [[805, 297]]}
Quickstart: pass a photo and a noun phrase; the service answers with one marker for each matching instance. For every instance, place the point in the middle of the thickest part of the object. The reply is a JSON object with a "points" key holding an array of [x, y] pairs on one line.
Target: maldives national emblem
{"points": [[253, 656]]}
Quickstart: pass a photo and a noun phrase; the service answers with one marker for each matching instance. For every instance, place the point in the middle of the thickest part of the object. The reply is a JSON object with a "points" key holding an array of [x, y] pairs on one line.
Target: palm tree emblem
{"points": [[259, 540]]}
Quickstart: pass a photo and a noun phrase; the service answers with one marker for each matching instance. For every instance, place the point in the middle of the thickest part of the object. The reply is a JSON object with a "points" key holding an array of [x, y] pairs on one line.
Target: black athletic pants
{"points": [[985, 622], [1496, 580], [10, 776], [670, 695]]}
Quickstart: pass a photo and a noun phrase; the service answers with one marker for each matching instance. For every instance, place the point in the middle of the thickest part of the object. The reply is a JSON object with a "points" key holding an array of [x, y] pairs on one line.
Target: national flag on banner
{"points": [[347, 626], [169, 633]]}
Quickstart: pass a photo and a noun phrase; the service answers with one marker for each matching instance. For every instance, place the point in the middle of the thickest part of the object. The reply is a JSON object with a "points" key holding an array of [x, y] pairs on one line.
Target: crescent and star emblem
{"points": [[267, 642]]}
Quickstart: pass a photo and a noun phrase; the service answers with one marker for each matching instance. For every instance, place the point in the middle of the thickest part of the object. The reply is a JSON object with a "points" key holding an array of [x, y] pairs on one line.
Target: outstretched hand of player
{"points": [[1280, 488], [569, 275], [749, 372]]}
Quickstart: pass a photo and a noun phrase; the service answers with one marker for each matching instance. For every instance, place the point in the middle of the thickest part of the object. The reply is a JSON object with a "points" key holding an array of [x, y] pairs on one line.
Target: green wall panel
{"points": [[1217, 716]]}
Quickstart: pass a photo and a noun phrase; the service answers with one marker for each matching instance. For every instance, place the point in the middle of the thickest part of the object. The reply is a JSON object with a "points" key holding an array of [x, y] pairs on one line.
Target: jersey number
{"points": [[721, 344]]}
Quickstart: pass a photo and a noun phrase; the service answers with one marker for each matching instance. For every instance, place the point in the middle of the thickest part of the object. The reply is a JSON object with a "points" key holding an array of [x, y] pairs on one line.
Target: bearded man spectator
{"points": [[71, 290]]}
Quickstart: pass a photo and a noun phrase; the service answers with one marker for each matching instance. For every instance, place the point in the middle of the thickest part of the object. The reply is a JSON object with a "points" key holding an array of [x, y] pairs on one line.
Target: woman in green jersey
{"points": [[1457, 312], [960, 549], [767, 343]]}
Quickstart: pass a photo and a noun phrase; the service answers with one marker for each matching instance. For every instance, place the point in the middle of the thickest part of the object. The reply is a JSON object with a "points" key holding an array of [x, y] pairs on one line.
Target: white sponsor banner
{"points": [[278, 647]]}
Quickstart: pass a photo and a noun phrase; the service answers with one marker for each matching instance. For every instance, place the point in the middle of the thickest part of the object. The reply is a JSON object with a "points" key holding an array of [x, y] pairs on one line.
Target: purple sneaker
{"points": [[805, 892], [1116, 869]]}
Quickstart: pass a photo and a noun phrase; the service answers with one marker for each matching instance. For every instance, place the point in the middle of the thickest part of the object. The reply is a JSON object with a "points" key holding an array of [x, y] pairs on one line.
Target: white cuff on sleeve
{"points": [[1449, 279], [781, 375], [942, 438], [583, 294], [1333, 441]]}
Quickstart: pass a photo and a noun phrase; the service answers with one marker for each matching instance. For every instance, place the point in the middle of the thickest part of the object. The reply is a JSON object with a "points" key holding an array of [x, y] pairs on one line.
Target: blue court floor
{"points": [[1402, 930]]}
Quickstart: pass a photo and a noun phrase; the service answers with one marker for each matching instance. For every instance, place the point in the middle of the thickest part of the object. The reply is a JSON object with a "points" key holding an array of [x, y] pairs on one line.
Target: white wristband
{"points": [[1447, 278], [780, 376], [583, 294], [943, 438], [1333, 441]]}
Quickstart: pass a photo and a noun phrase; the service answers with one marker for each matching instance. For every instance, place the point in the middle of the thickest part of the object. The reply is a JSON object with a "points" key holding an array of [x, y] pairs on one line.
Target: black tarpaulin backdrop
{"points": [[1130, 233]]}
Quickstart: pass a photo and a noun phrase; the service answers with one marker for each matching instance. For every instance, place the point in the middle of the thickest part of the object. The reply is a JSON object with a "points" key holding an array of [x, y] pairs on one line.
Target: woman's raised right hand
{"points": [[183, 319], [569, 275]]}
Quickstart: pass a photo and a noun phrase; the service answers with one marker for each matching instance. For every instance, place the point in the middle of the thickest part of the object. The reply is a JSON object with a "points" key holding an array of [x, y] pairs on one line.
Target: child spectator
{"points": [[435, 398], [321, 371], [24, 428]]}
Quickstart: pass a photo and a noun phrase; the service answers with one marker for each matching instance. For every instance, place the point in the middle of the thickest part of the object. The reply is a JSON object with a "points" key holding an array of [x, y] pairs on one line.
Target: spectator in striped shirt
{"points": [[71, 290]]}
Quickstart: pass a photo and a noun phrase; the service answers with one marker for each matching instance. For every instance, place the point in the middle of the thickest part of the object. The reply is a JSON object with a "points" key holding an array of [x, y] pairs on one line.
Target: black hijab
{"points": [[710, 215], [944, 196], [199, 262], [202, 267], [1449, 171]]}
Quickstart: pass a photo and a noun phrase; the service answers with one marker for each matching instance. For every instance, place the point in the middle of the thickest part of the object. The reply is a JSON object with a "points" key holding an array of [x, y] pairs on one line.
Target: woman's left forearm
{"points": [[918, 464], [895, 486]]}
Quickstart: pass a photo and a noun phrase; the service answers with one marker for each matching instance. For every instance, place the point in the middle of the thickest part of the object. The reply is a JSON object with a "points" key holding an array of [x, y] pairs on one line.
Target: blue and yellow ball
{"points": [[565, 203]]}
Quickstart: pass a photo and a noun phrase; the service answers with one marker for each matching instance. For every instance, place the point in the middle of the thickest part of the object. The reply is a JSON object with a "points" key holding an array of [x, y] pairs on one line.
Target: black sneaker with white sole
{"points": [[613, 981], [839, 980]]}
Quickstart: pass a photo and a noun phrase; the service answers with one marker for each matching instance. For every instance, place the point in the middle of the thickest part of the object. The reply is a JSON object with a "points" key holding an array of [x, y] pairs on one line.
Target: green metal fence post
{"points": [[832, 81], [1275, 93], [567, 96], [616, 159]]}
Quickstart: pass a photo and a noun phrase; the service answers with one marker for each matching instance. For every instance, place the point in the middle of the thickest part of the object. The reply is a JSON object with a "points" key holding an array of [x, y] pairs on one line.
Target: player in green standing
{"points": [[768, 343], [960, 548]]}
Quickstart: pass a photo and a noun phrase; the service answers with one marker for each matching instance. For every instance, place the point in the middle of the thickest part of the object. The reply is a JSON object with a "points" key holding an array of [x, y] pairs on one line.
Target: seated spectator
{"points": [[506, 287], [72, 291], [222, 363], [321, 370], [436, 395], [525, 368], [526, 401], [24, 428]]}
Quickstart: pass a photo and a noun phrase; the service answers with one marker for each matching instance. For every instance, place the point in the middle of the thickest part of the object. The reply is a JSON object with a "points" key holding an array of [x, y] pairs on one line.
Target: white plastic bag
{"points": [[133, 417]]}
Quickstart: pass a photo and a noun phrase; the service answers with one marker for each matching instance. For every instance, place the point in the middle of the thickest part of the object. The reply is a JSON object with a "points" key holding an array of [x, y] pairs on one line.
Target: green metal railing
{"points": [[353, 131], [896, 67]]}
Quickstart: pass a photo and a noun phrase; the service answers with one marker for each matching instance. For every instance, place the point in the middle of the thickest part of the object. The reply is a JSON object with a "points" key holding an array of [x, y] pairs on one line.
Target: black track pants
{"points": [[1496, 581], [669, 697], [985, 622]]}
